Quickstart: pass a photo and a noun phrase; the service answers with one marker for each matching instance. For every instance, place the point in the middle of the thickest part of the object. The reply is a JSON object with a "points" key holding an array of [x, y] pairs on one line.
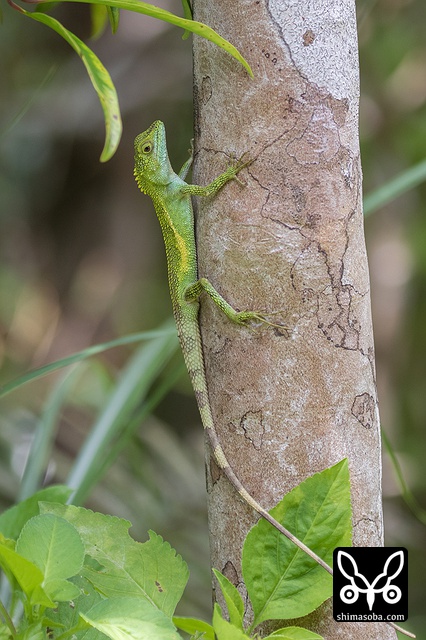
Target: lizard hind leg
{"points": [[244, 318]]}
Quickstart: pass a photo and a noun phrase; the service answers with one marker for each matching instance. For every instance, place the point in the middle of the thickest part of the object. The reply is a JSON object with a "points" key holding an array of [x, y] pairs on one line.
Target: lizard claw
{"points": [[250, 318], [191, 150], [237, 164]]}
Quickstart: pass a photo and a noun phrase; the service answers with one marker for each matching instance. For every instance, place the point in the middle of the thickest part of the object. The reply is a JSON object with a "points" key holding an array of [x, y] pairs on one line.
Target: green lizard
{"points": [[171, 197]]}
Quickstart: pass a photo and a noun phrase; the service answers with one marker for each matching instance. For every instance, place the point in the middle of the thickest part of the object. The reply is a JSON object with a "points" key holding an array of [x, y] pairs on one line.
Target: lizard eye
{"points": [[146, 147]]}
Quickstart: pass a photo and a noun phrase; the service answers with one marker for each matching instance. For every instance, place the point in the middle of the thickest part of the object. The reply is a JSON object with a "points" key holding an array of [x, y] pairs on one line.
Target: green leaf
{"points": [[187, 12], [294, 633], [151, 570], [193, 625], [223, 629], [99, 76], [233, 599], [130, 618], [27, 575], [12, 520], [114, 18], [32, 632], [282, 581], [65, 616], [98, 18], [55, 546], [61, 590], [99, 14], [198, 28], [187, 9], [5, 632]]}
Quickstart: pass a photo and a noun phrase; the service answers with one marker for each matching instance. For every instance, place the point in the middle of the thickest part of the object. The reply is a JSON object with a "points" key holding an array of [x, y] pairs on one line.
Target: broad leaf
{"points": [[282, 581], [27, 575], [65, 616], [151, 570], [12, 520], [130, 618], [55, 546]]}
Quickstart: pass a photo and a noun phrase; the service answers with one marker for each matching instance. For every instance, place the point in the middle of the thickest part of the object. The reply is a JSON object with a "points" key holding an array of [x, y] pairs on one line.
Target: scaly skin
{"points": [[171, 197]]}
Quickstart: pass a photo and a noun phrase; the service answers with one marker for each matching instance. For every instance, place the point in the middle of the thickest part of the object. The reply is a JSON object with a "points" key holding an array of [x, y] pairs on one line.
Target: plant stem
{"points": [[8, 620]]}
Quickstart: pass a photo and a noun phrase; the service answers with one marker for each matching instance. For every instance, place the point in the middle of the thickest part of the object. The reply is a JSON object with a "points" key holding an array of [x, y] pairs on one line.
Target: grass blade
{"points": [[154, 398], [131, 389], [395, 188], [406, 492], [40, 372], [44, 437]]}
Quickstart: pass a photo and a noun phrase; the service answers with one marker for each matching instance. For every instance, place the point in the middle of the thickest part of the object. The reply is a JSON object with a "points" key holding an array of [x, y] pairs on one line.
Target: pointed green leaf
{"points": [[282, 581], [54, 545], [193, 626], [151, 570], [130, 618], [100, 78], [198, 28], [233, 599], [294, 633], [12, 520], [223, 629], [187, 12], [114, 18]]}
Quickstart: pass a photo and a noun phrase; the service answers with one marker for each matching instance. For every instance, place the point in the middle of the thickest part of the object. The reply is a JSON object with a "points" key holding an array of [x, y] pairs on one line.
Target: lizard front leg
{"points": [[188, 163], [213, 187]]}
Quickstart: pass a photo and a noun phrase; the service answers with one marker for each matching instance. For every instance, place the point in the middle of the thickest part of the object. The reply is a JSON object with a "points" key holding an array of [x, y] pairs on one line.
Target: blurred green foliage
{"points": [[393, 121], [82, 262]]}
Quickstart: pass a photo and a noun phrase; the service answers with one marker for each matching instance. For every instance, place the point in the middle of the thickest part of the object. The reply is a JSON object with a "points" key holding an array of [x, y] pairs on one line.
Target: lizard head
{"points": [[151, 159]]}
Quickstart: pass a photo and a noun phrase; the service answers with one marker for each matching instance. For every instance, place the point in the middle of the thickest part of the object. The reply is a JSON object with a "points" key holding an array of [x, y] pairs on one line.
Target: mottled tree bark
{"points": [[287, 403]]}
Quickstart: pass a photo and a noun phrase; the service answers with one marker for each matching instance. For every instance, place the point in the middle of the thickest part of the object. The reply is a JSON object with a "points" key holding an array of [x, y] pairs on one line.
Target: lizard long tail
{"points": [[223, 463], [198, 378]]}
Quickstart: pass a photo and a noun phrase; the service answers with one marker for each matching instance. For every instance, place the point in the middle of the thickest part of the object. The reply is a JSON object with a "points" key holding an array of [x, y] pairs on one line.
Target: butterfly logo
{"points": [[391, 593]]}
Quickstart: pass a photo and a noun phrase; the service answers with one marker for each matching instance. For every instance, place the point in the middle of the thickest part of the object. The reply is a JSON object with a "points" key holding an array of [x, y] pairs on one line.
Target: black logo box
{"points": [[370, 582]]}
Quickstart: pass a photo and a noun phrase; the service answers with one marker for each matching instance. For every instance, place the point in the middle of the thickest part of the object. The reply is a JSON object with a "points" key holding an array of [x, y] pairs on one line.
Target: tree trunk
{"points": [[286, 403]]}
